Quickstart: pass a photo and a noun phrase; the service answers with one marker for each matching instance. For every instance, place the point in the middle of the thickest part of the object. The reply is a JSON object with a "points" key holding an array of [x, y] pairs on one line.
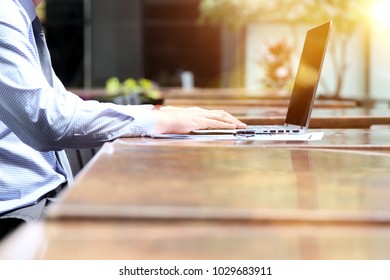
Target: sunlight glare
{"points": [[380, 12]]}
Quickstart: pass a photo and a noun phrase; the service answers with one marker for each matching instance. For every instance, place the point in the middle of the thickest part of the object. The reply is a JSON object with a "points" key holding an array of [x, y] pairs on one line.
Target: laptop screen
{"points": [[308, 76]]}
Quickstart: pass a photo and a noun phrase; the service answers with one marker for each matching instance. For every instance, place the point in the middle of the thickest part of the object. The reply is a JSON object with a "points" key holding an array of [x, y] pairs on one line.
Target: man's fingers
{"points": [[224, 117], [221, 124]]}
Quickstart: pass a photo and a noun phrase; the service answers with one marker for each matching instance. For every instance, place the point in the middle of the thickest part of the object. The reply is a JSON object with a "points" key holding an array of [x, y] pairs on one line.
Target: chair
{"points": [[78, 158]]}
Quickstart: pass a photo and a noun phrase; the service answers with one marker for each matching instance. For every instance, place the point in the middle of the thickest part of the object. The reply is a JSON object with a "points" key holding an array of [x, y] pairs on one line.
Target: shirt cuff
{"points": [[144, 123]]}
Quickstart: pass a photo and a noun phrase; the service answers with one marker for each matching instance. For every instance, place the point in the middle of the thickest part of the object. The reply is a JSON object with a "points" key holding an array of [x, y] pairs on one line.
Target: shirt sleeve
{"points": [[51, 118]]}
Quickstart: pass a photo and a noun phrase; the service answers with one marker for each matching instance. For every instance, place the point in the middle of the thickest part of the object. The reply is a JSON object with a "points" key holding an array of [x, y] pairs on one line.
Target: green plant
{"points": [[113, 86], [147, 90]]}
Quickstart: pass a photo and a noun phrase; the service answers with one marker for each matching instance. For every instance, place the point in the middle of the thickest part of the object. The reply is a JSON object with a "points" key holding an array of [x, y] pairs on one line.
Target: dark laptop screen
{"points": [[308, 75]]}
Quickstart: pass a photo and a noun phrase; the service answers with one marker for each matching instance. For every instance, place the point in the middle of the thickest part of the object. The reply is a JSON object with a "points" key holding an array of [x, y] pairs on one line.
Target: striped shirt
{"points": [[37, 119]]}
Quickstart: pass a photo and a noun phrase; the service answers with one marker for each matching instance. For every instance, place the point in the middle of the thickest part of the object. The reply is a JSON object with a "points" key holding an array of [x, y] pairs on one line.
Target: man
{"points": [[39, 117]]}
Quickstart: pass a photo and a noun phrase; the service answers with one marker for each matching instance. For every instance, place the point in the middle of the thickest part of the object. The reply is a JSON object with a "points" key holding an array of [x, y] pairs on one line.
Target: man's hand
{"points": [[184, 120]]}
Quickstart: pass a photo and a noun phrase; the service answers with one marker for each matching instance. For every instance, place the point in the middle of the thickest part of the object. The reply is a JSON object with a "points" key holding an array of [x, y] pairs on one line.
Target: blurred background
{"points": [[252, 44]]}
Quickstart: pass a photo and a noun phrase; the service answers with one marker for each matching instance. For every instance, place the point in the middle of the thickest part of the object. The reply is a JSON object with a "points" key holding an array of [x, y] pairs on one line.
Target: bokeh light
{"points": [[380, 12]]}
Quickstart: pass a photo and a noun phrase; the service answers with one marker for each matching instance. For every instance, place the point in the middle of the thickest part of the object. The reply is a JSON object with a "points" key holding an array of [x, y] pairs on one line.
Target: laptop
{"points": [[303, 92]]}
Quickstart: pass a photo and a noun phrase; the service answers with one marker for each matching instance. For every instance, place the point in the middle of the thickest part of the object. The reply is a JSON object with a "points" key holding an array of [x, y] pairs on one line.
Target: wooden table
{"points": [[254, 107], [367, 140], [251, 102], [232, 181], [271, 109], [321, 117], [244, 93], [229, 99], [324, 122], [152, 199], [147, 198], [197, 240], [141, 201], [325, 114]]}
